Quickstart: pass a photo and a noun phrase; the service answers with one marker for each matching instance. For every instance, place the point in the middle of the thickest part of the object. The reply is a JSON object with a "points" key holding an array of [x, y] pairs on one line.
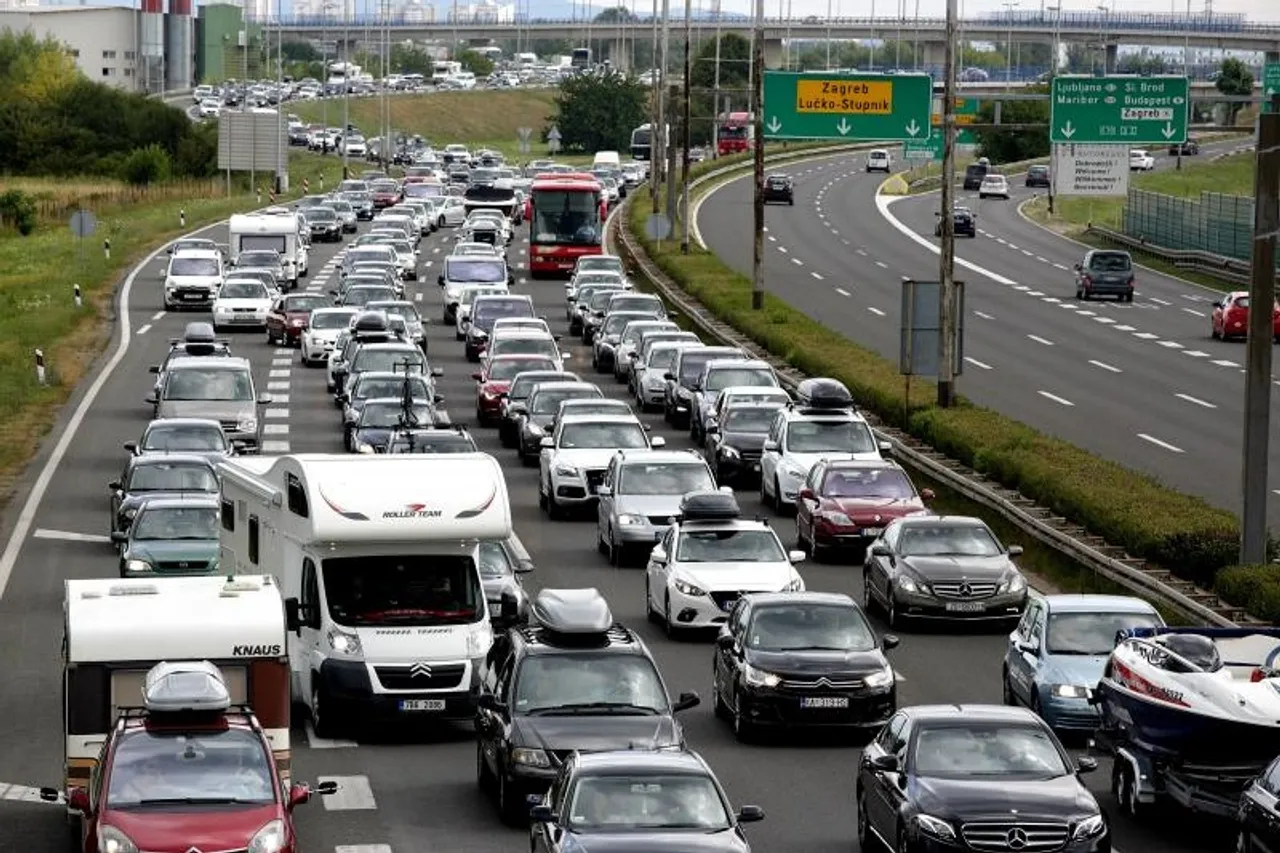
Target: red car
{"points": [[190, 772], [1230, 318], [290, 315], [386, 193], [494, 380], [847, 504]]}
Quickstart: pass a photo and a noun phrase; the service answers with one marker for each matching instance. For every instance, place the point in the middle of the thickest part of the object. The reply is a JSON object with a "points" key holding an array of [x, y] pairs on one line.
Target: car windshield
{"points": [[729, 377], [565, 218], [179, 522], [185, 437], [474, 269], [948, 540], [432, 441], [304, 302], [376, 254], [384, 187], [662, 357], [493, 561], [664, 478], [1240, 302], [618, 803], [968, 751], [633, 332], [172, 477], [590, 683], [387, 360], [259, 259], [830, 437], [800, 627], [1109, 262], [322, 214], [488, 310], [600, 264], [644, 305], [408, 589], [691, 365], [525, 346], [387, 415], [242, 290], [331, 320], [167, 767], [1092, 633], [194, 266], [209, 384], [548, 402], [341, 206], [753, 420], [729, 546], [506, 368], [358, 296], [375, 387], [595, 406], [868, 483], [615, 322], [600, 435]]}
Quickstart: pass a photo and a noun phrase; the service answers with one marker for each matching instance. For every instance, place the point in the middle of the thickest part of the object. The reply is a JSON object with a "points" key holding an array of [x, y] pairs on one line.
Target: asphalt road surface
{"points": [[410, 791], [1139, 383]]}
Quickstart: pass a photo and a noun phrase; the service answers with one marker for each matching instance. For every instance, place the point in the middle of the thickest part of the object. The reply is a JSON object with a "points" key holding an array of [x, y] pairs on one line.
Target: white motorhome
{"points": [[282, 232], [444, 69], [115, 631], [377, 556]]}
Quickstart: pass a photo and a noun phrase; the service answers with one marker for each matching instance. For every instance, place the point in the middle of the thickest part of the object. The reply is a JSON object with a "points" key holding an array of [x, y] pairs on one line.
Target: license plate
{"points": [[421, 704], [244, 318], [872, 531], [965, 606], [824, 702], [192, 297]]}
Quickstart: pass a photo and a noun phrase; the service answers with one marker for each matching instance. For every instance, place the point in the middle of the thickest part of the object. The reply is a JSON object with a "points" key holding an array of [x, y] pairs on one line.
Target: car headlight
{"points": [[879, 680], [112, 840], [479, 640], [906, 584], [1014, 584], [269, 839], [247, 425], [362, 447], [1090, 827], [565, 471], [932, 826], [344, 642], [137, 566], [1069, 691], [686, 588], [759, 677], [529, 757], [836, 517], [792, 470], [297, 323], [729, 452], [631, 520], [130, 512]]}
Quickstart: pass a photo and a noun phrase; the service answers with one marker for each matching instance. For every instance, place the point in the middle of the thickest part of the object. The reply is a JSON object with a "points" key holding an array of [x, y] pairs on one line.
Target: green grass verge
{"points": [[1255, 587], [1177, 531], [37, 309]]}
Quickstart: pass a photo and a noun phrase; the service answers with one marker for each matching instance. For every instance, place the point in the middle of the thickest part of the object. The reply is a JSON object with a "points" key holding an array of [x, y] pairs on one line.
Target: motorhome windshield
{"points": [[262, 242], [403, 589]]}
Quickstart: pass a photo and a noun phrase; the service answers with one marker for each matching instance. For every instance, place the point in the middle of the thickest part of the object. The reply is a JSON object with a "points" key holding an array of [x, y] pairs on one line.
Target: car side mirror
{"points": [[886, 448], [633, 355], [509, 609], [927, 495], [1086, 764], [796, 556], [333, 293], [1217, 304], [238, 446], [131, 446], [657, 441], [547, 442], [750, 814], [440, 280], [155, 368], [293, 616], [771, 446], [438, 400], [1029, 647], [264, 399], [489, 702], [604, 491], [659, 556], [566, 356], [806, 494], [549, 428], [119, 536], [151, 400], [299, 795], [542, 813], [1015, 550], [114, 485], [726, 642], [889, 641], [669, 376], [685, 702], [77, 800], [879, 549], [523, 567], [885, 763], [1076, 267]]}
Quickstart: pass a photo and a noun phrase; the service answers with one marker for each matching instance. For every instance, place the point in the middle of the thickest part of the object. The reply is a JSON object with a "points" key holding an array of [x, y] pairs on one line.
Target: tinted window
{"points": [[208, 384], [431, 441], [160, 767], [548, 402], [602, 435], [549, 682], [387, 415], [664, 478], [1109, 262], [800, 627], [185, 437], [748, 420], [330, 320], [948, 540], [303, 302], [506, 368], [242, 290], [475, 270], [728, 377], [411, 589], [488, 310], [830, 437], [990, 751], [617, 803]]}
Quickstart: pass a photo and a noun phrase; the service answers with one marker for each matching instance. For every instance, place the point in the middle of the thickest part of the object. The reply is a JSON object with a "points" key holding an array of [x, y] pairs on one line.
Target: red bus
{"points": [[566, 214], [735, 133]]}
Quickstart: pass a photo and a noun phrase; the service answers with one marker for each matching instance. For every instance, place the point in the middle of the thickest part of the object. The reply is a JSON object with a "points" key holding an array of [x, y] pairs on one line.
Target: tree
{"points": [[1012, 146], [408, 58], [1234, 78], [299, 51], [1142, 62], [615, 15], [735, 67], [597, 112], [477, 63]]}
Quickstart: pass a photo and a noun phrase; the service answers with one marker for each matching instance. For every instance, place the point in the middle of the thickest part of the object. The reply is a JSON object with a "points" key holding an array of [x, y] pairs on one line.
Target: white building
{"points": [[334, 10], [103, 40], [6, 5], [482, 13]]}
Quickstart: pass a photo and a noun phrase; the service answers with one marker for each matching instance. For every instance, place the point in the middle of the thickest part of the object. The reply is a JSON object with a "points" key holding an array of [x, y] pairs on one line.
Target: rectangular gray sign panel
{"points": [[920, 341], [249, 141]]}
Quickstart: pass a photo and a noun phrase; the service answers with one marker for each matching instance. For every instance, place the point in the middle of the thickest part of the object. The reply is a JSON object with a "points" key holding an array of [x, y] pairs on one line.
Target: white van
{"points": [[378, 558], [281, 232], [607, 160], [193, 277]]}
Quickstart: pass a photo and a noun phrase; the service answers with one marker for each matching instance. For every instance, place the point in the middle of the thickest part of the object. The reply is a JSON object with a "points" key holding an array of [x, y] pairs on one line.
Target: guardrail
{"points": [[1229, 270], [1055, 532]]}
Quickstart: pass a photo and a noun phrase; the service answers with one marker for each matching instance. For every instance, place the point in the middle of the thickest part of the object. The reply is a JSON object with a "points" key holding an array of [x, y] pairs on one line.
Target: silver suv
{"points": [[219, 388]]}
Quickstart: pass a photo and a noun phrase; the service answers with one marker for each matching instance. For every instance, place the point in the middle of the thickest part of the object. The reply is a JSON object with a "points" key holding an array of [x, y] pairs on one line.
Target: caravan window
{"points": [[297, 495], [253, 539], [409, 589], [256, 242], [228, 515]]}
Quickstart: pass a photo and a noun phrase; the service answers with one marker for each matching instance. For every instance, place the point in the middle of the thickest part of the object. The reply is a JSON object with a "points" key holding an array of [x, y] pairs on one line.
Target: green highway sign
{"points": [[924, 149], [824, 105], [1270, 82], [1120, 110], [966, 112]]}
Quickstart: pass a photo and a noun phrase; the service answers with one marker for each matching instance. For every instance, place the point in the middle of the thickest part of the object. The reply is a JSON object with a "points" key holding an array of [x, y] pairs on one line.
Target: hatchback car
{"points": [[158, 475], [1230, 317], [171, 535], [779, 188], [641, 495], [879, 161], [994, 186], [1038, 176], [1105, 272], [964, 223]]}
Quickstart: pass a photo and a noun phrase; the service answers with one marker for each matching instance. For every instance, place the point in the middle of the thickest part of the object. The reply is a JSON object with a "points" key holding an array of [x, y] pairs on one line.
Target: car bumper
{"points": [[292, 335], [652, 395], [768, 196], [1106, 289], [1068, 714], [920, 843], [701, 611], [572, 492], [997, 607], [227, 318], [736, 468], [832, 536], [786, 707], [489, 406], [316, 350], [639, 535], [188, 296], [350, 692]]}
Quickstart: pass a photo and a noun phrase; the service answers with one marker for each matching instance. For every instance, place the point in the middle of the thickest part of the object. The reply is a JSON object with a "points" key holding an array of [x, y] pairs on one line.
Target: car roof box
{"points": [[824, 394], [573, 613], [709, 506], [199, 332], [372, 321]]}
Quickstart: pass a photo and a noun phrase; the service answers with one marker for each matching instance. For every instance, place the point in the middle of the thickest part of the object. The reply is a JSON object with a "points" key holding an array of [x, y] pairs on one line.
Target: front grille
{"points": [[1023, 837], [182, 565], [229, 426], [963, 591], [823, 683], [595, 477], [659, 520], [725, 600], [421, 677]]}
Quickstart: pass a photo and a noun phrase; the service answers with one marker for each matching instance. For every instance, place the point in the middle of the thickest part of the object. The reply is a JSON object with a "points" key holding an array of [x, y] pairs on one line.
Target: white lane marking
{"points": [[317, 742], [1041, 340], [1011, 246], [354, 794], [1126, 328], [983, 315], [1195, 353], [1146, 336], [797, 262], [977, 363], [1196, 401], [1028, 254], [1086, 313], [818, 276], [772, 239], [882, 265], [1106, 320], [1060, 266], [782, 249], [1021, 287], [275, 429], [417, 297], [1050, 299], [1042, 259], [875, 311], [1002, 241], [284, 351], [1158, 443], [862, 252], [1055, 398], [1170, 344], [21, 793], [1160, 301], [1224, 362], [68, 536], [159, 315], [1193, 312], [277, 386], [1034, 293], [843, 292], [278, 374], [280, 399], [271, 446], [1191, 298], [281, 362], [277, 414], [142, 330], [1105, 366]]}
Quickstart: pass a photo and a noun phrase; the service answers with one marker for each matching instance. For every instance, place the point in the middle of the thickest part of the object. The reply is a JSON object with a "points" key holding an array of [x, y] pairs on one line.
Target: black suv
{"points": [[779, 188], [572, 679], [966, 224], [975, 172]]}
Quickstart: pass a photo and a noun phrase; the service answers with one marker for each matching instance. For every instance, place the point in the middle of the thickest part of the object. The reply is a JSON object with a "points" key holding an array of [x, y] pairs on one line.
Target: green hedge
{"points": [[1254, 587], [1179, 532]]}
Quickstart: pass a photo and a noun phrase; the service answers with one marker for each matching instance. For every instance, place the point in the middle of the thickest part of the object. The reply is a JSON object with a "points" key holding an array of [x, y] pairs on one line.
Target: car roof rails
{"points": [[573, 617], [823, 396], [709, 506]]}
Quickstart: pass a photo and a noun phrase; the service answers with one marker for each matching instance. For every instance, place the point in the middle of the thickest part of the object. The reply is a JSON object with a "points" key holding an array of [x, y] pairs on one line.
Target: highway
{"points": [[1138, 383], [414, 791]]}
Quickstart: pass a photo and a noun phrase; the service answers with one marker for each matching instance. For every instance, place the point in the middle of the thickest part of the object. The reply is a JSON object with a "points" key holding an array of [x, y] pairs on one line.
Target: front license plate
{"points": [[965, 606], [244, 318], [824, 702], [421, 704], [872, 531], [192, 297]]}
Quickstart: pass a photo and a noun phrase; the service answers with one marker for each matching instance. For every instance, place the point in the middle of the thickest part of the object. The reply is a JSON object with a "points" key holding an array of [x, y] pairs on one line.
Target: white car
{"points": [[210, 108], [699, 570], [355, 146], [242, 302], [799, 437], [322, 332], [879, 161], [573, 459], [451, 211], [465, 248], [192, 277], [1141, 161], [994, 186], [515, 341]]}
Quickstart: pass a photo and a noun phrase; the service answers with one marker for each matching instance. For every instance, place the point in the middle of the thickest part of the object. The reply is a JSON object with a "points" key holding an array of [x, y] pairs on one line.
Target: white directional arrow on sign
{"points": [[844, 127], [1168, 130], [774, 125], [913, 128], [1068, 131]]}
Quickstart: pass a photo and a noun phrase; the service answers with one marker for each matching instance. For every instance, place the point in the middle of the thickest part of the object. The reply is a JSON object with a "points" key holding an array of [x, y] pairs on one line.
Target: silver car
{"points": [[217, 388], [640, 496]]}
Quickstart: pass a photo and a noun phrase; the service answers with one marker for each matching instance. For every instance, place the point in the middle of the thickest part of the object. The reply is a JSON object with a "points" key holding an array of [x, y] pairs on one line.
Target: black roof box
{"points": [[199, 332], [573, 611], [830, 394], [709, 506], [371, 321]]}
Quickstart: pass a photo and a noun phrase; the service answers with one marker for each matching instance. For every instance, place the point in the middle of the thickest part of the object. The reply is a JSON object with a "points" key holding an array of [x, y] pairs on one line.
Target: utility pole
{"points": [[346, 81], [1262, 295], [656, 118], [715, 97], [946, 258], [688, 134], [282, 161], [757, 157], [672, 94], [659, 154]]}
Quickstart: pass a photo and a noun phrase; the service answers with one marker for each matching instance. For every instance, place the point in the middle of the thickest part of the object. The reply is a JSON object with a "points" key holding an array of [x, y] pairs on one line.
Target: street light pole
{"points": [[688, 133], [1102, 38], [715, 97], [828, 35], [346, 81], [946, 257], [757, 159]]}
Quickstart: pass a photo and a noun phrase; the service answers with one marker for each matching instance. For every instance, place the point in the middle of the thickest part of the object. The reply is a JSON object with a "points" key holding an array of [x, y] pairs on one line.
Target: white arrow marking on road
{"points": [[1068, 131], [1168, 131], [774, 125], [844, 127], [913, 128]]}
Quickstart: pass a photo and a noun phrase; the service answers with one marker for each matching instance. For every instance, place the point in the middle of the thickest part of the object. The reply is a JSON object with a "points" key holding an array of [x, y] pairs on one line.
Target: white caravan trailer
{"points": [[117, 630], [281, 232], [377, 556]]}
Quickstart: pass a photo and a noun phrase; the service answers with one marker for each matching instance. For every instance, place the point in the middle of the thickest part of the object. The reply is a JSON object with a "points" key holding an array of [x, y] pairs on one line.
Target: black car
{"points": [[379, 419], [735, 442], [513, 405], [438, 439], [779, 188], [325, 224], [635, 801], [501, 566], [975, 777], [1259, 816], [789, 660], [160, 475], [965, 224], [1186, 148], [573, 679], [540, 412], [974, 173], [1038, 176]]}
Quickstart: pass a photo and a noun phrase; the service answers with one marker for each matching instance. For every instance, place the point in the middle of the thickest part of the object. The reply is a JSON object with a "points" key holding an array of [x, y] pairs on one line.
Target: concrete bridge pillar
{"points": [[1113, 52], [933, 58], [773, 54], [618, 54]]}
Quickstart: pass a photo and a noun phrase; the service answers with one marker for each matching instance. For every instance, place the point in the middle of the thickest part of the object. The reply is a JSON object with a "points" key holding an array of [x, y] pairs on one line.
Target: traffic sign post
{"points": [[553, 140], [522, 136], [1270, 82], [1118, 110], [847, 106]]}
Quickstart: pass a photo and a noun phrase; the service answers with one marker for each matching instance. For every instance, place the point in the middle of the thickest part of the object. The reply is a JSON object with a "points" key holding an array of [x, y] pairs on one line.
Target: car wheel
{"points": [[1213, 332], [779, 505], [510, 808], [616, 554], [601, 545], [764, 494], [323, 721], [864, 835], [1006, 688], [1079, 293], [1128, 297], [484, 779], [718, 708]]}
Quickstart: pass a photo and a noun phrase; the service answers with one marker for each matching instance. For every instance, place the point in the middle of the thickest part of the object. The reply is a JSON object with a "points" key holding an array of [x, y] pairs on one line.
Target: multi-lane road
{"points": [[1139, 383], [415, 791]]}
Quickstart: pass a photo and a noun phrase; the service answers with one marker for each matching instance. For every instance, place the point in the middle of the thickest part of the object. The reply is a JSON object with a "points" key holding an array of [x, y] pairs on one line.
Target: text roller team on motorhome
{"points": [[378, 559]]}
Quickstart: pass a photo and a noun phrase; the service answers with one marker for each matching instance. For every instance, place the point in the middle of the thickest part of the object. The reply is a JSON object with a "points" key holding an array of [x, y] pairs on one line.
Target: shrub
{"points": [[148, 165], [19, 210], [1256, 588]]}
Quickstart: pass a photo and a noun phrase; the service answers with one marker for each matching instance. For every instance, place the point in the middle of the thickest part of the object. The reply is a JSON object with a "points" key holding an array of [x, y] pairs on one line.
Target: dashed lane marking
{"points": [[69, 536], [1160, 301], [882, 265], [1104, 320], [278, 374], [1125, 328], [354, 794], [1041, 340], [275, 429], [797, 262], [144, 329], [983, 315], [1170, 344], [277, 414], [1196, 401], [1146, 336], [1223, 362], [273, 446], [875, 311], [862, 252], [22, 793], [1193, 312], [977, 363], [782, 249], [1105, 366], [362, 848], [1172, 448], [277, 386], [1060, 266], [1085, 312], [1195, 353], [159, 315], [281, 362], [1062, 401], [816, 275], [842, 291]]}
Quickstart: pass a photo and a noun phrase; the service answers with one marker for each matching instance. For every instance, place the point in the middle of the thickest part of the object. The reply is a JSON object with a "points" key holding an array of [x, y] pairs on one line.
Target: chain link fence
{"points": [[1217, 223]]}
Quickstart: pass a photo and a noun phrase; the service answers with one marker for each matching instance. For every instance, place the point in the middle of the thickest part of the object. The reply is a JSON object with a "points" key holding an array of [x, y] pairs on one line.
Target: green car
{"points": [[171, 536]]}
